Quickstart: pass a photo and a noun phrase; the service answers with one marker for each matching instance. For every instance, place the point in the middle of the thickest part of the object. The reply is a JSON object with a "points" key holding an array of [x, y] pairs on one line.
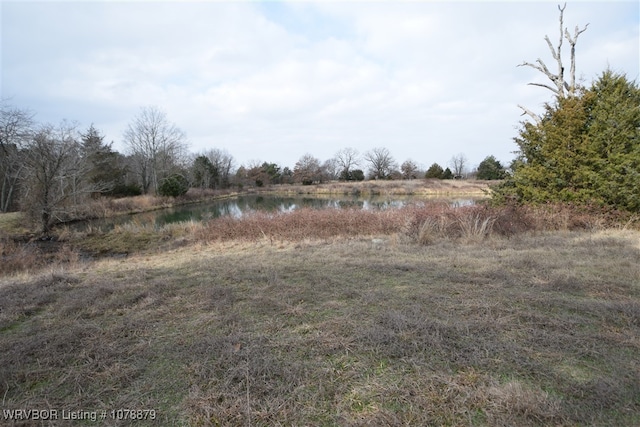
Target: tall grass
{"points": [[302, 224], [18, 257], [422, 224]]}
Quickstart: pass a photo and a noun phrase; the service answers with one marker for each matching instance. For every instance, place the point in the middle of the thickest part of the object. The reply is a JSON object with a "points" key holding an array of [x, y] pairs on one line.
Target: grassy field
{"points": [[443, 317]]}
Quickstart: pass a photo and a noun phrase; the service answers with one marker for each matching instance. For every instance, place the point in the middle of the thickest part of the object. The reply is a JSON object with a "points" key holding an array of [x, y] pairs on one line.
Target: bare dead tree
{"points": [[156, 144], [15, 131], [559, 86]]}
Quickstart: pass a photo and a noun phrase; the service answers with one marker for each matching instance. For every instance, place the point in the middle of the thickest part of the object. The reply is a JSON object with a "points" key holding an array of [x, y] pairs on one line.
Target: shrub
{"points": [[352, 175], [174, 186], [125, 190]]}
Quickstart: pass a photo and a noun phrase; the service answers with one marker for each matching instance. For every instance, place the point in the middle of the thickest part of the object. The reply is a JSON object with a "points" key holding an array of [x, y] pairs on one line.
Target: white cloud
{"points": [[272, 81]]}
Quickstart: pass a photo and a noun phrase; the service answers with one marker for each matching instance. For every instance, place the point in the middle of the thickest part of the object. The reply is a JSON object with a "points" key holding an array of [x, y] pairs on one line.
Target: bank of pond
{"points": [[242, 205]]}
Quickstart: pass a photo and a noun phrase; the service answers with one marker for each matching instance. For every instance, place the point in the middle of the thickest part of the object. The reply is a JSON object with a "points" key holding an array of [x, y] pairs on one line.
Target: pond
{"points": [[238, 206]]}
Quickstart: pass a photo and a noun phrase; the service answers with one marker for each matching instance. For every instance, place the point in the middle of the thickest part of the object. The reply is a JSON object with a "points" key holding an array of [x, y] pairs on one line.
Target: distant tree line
{"points": [[51, 171]]}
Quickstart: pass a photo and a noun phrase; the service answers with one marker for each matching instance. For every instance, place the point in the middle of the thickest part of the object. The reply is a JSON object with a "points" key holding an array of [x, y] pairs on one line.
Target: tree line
{"points": [[50, 171]]}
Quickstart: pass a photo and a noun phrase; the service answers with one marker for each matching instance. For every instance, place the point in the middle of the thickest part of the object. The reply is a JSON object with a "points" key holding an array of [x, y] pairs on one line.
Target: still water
{"points": [[242, 205]]}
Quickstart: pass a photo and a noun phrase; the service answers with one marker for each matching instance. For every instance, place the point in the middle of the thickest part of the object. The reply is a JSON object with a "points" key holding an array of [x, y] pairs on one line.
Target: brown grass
{"points": [[303, 224], [422, 223], [425, 224], [426, 315], [416, 187], [533, 330], [106, 207], [19, 257]]}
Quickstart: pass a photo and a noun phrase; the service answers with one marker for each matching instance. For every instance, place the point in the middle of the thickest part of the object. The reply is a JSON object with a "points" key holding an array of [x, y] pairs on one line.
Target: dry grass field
{"points": [[416, 187], [425, 316]]}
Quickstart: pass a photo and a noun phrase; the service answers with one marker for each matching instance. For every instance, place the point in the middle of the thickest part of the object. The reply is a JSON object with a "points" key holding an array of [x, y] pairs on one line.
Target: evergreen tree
{"points": [[204, 173], [490, 168], [447, 174], [585, 149], [104, 169], [434, 171]]}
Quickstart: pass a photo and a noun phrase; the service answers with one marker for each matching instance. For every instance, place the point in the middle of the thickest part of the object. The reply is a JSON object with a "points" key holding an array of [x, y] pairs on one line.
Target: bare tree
{"points": [[223, 163], [56, 175], [330, 169], [15, 131], [409, 169], [560, 87], [157, 146], [381, 163], [307, 170], [346, 159], [459, 164]]}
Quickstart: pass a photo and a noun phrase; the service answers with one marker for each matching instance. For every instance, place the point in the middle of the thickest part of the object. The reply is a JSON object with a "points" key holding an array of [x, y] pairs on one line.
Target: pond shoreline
{"points": [[417, 187], [12, 226]]}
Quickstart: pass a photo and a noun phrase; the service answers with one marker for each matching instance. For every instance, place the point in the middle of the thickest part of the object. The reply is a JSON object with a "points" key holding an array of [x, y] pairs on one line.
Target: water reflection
{"points": [[236, 207]]}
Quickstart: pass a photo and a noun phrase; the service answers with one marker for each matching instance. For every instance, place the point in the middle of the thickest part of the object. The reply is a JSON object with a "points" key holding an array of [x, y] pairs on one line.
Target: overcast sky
{"points": [[271, 81]]}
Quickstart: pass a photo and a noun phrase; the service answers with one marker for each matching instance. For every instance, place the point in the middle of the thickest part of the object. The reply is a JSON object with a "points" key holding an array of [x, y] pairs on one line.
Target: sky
{"points": [[273, 81]]}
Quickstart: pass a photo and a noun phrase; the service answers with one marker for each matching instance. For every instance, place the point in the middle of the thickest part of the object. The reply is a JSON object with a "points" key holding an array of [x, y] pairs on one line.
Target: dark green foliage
{"points": [[434, 171], [447, 174], [125, 190], [357, 175], [205, 174], [352, 175], [490, 168], [272, 170], [173, 186], [105, 168], [586, 149]]}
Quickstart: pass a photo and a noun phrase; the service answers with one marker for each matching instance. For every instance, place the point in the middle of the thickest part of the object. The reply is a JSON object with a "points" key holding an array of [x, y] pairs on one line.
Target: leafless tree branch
{"points": [[526, 111], [560, 87]]}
